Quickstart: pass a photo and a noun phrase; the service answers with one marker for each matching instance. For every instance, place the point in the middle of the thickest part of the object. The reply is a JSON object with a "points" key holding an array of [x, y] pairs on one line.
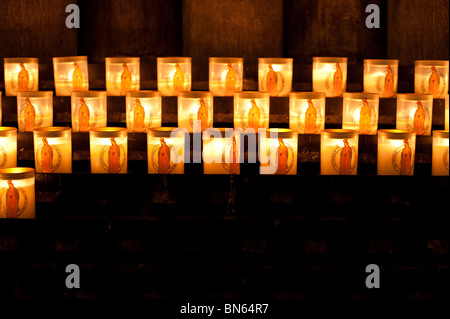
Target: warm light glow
{"points": [[339, 152], [396, 150], [330, 76], [108, 149], [17, 193], [440, 153], [53, 150], [8, 147]]}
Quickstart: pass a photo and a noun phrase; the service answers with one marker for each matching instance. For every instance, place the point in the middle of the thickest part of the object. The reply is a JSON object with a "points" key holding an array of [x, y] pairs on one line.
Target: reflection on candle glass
{"points": [[338, 152], [440, 153], [275, 76], [17, 193], [108, 148], [330, 75], [431, 77], [8, 147], [34, 110], [225, 75], [396, 150], [414, 112], [53, 149], [360, 112], [174, 75], [122, 75], [71, 75], [280, 150], [381, 77], [21, 74], [221, 151]]}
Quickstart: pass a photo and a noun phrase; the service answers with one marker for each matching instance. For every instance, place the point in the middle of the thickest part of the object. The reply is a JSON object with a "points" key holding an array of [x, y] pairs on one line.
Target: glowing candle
{"points": [[221, 151], [446, 112], [17, 193], [439, 163], [360, 112], [414, 112], [34, 110], [108, 146], [275, 76], [122, 75], [431, 77], [21, 74], [279, 148], [53, 149], [396, 150], [195, 106], [225, 75], [71, 75], [329, 75], [8, 147], [88, 110], [174, 75], [339, 152], [143, 110], [381, 77], [0, 108], [307, 112], [251, 110], [165, 150]]}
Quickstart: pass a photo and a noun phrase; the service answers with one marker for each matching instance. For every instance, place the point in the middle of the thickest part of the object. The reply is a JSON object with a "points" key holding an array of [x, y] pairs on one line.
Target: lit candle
{"points": [[71, 75], [338, 152], [17, 193], [307, 112], [251, 110], [381, 77], [329, 75], [143, 110], [221, 151], [360, 112], [396, 150], [431, 77], [122, 75], [53, 149], [446, 112], [88, 110], [279, 149], [225, 75], [21, 74], [165, 150], [275, 76], [108, 146], [34, 110], [439, 163], [174, 75], [195, 106], [414, 112], [8, 147], [0, 108]]}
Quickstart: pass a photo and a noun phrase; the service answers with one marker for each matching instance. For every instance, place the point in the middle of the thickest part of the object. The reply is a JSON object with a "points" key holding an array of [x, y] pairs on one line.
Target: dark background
{"points": [[212, 238]]}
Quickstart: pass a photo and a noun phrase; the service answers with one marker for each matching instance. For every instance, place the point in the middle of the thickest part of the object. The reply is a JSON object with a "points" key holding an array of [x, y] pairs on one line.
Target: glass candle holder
{"points": [[330, 75], [381, 77], [339, 152], [21, 74], [439, 162], [431, 77], [279, 151], [414, 112], [165, 150], [17, 193], [174, 75], [0, 108], [53, 149], [226, 75], [396, 150], [108, 146], [446, 113], [143, 110], [195, 106], [360, 112], [221, 151], [307, 112], [8, 147], [71, 75], [251, 110], [122, 75], [34, 110], [275, 76], [88, 110]]}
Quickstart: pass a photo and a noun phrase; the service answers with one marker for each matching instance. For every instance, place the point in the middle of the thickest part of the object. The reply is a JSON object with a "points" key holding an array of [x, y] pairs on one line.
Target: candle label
{"points": [[113, 157], [272, 81], [252, 116], [77, 79], [364, 119], [139, 117], [445, 158], [343, 158], [21, 81], [177, 84], [86, 119], [402, 159], [285, 157], [385, 84], [202, 115], [3, 157], [13, 201], [163, 158], [230, 160], [433, 83], [125, 80], [230, 80], [419, 120], [48, 157], [32, 116], [334, 82]]}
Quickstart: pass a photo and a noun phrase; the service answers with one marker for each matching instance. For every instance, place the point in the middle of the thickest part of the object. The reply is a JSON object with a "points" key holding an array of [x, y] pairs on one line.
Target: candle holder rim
{"points": [[108, 131], [224, 131], [303, 95], [440, 133], [52, 131], [251, 94], [396, 134], [329, 59], [122, 59], [414, 96], [20, 60], [6, 131], [381, 62], [15, 173], [361, 95], [220, 59], [143, 93], [74, 58], [173, 59], [88, 94], [24, 94], [273, 60], [431, 63], [195, 94], [339, 133], [162, 131], [282, 132]]}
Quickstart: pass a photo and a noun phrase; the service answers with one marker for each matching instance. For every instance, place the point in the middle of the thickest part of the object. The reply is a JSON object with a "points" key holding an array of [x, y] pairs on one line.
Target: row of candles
{"points": [[225, 75]]}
